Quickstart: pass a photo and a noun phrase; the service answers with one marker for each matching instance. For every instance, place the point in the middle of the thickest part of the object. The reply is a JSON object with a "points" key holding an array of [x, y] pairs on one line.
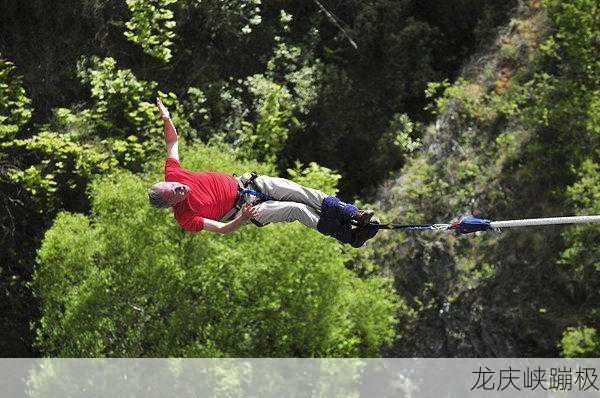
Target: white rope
{"points": [[337, 23], [545, 221]]}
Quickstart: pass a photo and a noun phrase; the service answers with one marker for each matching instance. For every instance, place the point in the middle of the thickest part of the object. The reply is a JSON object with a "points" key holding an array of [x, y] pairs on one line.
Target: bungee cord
{"points": [[468, 225]]}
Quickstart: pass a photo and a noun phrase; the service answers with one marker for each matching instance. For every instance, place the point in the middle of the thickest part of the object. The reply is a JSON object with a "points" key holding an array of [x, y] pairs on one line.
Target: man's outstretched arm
{"points": [[170, 132], [248, 212]]}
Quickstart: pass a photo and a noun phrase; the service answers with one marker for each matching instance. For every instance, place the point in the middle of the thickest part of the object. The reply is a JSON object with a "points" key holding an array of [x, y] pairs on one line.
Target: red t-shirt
{"points": [[211, 195]]}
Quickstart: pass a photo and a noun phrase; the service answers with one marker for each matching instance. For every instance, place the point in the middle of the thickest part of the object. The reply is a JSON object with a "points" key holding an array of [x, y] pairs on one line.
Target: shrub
{"points": [[126, 281]]}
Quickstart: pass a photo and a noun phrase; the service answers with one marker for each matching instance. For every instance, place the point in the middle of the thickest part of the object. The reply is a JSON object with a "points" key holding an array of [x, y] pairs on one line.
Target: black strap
{"points": [[243, 184]]}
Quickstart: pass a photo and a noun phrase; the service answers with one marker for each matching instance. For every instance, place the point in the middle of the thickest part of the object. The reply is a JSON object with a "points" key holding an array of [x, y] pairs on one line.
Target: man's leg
{"points": [[279, 211], [286, 190], [274, 211], [309, 205]]}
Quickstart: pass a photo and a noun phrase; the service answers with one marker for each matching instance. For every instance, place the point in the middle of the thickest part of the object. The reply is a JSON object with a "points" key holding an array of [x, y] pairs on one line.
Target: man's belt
{"points": [[246, 180]]}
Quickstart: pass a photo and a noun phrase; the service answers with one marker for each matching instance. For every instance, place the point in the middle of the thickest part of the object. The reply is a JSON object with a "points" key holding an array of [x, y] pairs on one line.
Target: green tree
{"points": [[580, 342], [264, 140], [122, 116], [315, 176], [15, 106], [151, 26], [126, 281], [18, 228]]}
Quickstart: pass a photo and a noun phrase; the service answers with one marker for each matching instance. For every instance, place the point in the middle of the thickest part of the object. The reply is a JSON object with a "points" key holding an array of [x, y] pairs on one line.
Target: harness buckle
{"points": [[244, 181]]}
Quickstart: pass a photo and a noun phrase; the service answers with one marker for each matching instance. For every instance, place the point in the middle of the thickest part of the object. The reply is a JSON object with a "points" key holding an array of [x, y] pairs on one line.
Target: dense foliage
{"points": [[215, 46], [126, 281], [516, 137], [373, 90]]}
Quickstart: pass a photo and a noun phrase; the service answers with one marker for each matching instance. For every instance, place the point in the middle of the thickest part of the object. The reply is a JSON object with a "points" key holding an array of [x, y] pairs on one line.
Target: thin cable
{"points": [[337, 23]]}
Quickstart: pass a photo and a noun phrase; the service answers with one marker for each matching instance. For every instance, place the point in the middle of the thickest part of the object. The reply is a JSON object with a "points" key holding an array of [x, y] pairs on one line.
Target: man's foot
{"points": [[362, 217], [362, 234]]}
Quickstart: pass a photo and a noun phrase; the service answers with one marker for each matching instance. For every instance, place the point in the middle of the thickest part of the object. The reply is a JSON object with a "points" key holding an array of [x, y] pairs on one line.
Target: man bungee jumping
{"points": [[217, 202]]}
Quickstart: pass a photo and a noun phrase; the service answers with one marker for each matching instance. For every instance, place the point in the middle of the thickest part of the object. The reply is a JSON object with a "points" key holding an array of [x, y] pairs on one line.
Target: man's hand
{"points": [[249, 212], [164, 112]]}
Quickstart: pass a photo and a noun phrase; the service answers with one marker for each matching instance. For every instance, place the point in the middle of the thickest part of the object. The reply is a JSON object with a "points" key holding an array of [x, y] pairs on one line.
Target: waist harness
{"points": [[245, 185]]}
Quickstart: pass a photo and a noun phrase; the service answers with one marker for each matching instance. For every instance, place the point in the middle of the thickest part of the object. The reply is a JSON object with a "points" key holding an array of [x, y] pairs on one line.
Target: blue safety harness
{"points": [[243, 193], [335, 220], [261, 196]]}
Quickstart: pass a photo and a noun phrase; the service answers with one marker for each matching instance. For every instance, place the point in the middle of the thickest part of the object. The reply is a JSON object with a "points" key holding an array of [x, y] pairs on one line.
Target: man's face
{"points": [[172, 192]]}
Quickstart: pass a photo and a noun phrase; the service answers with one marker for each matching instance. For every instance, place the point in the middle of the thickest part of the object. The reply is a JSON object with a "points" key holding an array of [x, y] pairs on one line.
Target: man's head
{"points": [[167, 194]]}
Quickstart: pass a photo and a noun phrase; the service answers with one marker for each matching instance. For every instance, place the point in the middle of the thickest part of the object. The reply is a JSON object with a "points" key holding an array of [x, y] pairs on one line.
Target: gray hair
{"points": [[155, 198]]}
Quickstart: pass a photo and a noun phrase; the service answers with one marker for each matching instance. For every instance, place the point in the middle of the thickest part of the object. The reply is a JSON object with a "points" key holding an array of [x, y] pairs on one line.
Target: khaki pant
{"points": [[293, 202]]}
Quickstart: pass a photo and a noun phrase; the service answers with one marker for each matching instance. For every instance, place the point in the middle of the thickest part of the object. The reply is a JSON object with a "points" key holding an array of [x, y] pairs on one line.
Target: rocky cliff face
{"points": [[492, 294]]}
